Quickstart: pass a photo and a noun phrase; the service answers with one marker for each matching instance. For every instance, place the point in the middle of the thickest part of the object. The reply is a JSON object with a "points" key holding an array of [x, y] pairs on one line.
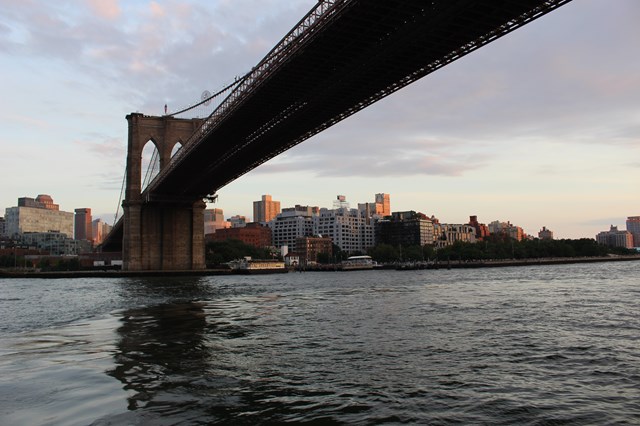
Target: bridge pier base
{"points": [[163, 237]]}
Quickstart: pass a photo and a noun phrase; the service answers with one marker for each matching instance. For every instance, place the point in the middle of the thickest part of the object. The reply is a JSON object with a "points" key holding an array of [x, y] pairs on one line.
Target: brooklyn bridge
{"points": [[341, 57]]}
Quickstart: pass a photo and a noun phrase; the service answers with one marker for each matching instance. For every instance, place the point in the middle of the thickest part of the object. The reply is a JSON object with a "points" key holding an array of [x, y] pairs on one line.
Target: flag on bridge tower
{"points": [[165, 109]]}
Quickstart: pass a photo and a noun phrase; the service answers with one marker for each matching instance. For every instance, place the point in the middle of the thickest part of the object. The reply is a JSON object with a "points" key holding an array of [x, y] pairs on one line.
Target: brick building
{"points": [[253, 234]]}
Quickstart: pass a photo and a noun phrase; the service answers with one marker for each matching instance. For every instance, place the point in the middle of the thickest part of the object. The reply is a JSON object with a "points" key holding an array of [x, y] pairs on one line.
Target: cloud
{"points": [[105, 9], [110, 148], [382, 158]]}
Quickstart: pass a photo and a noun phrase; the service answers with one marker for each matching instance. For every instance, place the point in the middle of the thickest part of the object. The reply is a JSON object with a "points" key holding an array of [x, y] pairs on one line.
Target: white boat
{"points": [[356, 263]]}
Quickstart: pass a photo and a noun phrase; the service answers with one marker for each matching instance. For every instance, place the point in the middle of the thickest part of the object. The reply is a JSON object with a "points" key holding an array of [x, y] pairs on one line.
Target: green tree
{"points": [[219, 252], [412, 254], [384, 253]]}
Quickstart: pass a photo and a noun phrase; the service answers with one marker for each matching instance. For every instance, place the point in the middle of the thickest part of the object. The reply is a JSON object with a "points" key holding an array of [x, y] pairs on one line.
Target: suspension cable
{"points": [[208, 99], [124, 178], [152, 166]]}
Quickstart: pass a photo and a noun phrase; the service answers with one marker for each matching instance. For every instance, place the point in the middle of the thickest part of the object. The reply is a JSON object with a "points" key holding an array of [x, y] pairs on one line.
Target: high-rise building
{"points": [[615, 238], [99, 230], [83, 226], [292, 223], [633, 226], [265, 209], [39, 215], [383, 205], [2, 227], [349, 229]]}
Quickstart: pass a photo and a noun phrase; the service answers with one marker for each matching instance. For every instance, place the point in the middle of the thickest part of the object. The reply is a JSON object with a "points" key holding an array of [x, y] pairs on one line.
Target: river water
{"points": [[540, 345]]}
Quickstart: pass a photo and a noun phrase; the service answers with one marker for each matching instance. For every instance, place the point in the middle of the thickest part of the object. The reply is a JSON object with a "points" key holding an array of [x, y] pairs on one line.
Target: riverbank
{"points": [[451, 264], [110, 273]]}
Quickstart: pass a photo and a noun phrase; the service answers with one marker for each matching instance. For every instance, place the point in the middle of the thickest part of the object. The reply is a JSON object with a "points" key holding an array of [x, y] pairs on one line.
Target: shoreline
{"points": [[529, 262], [399, 267]]}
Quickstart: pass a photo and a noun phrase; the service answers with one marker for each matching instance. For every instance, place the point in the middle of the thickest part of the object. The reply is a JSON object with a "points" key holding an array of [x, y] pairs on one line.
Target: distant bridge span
{"points": [[342, 56]]}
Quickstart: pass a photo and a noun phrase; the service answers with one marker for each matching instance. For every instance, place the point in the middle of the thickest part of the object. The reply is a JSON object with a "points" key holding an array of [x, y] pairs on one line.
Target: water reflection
{"points": [[161, 349]]}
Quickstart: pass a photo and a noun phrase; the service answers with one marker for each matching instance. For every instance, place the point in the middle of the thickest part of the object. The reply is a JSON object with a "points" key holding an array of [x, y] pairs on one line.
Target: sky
{"points": [[539, 128]]}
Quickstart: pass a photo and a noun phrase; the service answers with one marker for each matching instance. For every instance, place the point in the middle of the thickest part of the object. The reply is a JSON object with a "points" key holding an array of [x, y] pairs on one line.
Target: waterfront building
{"points": [[253, 234], [266, 209], [482, 230], [447, 234], [545, 234], [615, 238], [308, 248], [633, 226], [214, 220], [292, 223], [349, 229], [2, 227], [56, 243], [37, 215], [83, 229], [405, 229]]}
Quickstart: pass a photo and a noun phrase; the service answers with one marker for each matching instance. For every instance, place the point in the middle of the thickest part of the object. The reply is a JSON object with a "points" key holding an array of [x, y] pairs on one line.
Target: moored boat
{"points": [[257, 266], [357, 263]]}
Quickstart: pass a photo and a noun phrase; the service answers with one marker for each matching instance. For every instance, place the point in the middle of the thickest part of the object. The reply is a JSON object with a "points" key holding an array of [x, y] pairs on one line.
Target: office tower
{"points": [[83, 226]]}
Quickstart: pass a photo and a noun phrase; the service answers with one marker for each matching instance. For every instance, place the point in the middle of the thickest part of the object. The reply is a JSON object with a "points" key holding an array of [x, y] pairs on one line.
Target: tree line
{"points": [[492, 248], [496, 248]]}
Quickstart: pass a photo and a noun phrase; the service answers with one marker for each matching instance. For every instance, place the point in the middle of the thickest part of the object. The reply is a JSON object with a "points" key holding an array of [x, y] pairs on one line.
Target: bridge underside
{"points": [[363, 52]]}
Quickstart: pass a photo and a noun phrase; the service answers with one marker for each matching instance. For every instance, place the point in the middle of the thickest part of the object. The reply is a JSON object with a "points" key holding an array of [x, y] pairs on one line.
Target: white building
{"points": [[349, 229], [290, 224]]}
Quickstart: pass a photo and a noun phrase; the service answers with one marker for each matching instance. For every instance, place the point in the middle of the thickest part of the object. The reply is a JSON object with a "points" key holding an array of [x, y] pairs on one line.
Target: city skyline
{"points": [[539, 128]]}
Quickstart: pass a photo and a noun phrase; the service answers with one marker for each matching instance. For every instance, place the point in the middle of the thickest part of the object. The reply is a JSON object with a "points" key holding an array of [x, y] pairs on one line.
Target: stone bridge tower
{"points": [[167, 235]]}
